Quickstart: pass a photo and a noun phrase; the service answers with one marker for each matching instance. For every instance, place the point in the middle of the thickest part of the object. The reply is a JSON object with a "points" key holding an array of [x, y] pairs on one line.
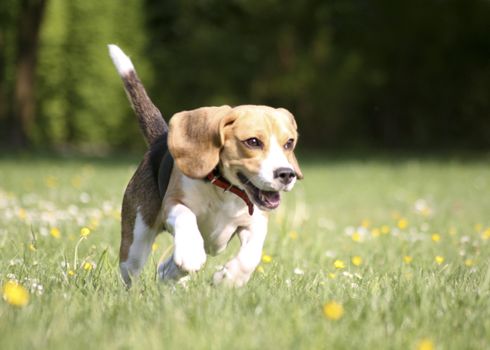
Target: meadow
{"points": [[368, 252]]}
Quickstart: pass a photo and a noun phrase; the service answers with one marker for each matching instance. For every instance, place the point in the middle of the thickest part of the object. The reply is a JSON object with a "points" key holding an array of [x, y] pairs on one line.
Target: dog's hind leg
{"points": [[139, 222], [137, 240], [168, 270]]}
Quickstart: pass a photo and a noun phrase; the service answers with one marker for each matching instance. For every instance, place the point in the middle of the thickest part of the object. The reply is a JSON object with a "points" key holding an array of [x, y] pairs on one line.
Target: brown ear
{"points": [[292, 158], [195, 139]]}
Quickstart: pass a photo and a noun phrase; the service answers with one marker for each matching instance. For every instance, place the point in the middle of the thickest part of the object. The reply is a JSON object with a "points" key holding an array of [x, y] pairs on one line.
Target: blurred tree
{"points": [[27, 24], [355, 73], [380, 73], [426, 72], [82, 102]]}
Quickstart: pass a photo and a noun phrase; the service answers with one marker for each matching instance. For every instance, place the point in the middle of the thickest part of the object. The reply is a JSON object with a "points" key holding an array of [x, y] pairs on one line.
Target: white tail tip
{"points": [[121, 61]]}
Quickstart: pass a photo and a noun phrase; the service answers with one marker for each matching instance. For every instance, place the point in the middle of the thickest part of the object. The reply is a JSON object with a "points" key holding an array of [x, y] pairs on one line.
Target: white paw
{"points": [[190, 258], [231, 275]]}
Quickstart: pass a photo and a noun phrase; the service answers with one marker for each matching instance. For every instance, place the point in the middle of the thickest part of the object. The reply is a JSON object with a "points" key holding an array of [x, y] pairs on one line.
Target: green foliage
{"points": [[337, 213], [80, 96], [382, 73]]}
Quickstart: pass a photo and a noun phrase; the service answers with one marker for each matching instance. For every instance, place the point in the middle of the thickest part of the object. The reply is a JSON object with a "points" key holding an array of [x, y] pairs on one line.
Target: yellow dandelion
{"points": [[293, 235], [333, 310], [116, 214], [84, 232], [375, 232], [154, 247], [425, 344], [402, 223], [88, 266], [332, 275], [32, 247], [436, 237], [339, 264], [260, 269], [356, 237], [55, 232], [356, 260], [439, 259], [51, 181], [266, 258], [22, 213], [366, 223], [469, 262], [486, 234], [15, 294], [71, 273], [407, 259], [385, 229]]}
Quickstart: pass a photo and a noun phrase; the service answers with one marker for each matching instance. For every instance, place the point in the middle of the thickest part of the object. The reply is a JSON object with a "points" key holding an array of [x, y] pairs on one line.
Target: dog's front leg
{"points": [[189, 254], [238, 270]]}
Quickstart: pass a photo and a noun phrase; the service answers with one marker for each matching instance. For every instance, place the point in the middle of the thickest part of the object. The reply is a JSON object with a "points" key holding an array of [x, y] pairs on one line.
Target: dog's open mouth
{"points": [[264, 199]]}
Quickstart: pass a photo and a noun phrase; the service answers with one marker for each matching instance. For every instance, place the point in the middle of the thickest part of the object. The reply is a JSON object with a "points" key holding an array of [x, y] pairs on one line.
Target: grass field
{"points": [[366, 253]]}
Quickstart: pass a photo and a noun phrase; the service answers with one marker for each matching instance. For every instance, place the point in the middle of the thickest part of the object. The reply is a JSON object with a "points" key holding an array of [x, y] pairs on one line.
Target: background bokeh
{"points": [[356, 74]]}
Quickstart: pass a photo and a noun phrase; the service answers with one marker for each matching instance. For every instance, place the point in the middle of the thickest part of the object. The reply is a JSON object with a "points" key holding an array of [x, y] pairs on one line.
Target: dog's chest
{"points": [[218, 214]]}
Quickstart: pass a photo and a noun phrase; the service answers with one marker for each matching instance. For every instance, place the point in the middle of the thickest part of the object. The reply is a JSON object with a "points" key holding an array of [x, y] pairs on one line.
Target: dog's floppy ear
{"points": [[196, 137], [292, 158]]}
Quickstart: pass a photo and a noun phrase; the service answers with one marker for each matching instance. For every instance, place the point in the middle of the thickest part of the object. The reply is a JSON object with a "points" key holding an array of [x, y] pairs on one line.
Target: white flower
{"points": [[298, 271]]}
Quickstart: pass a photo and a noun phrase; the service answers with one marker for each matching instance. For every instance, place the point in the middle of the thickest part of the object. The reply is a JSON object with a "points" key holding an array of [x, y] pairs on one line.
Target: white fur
{"points": [[238, 270], [275, 159], [205, 223], [208, 217], [189, 254], [143, 238], [121, 61]]}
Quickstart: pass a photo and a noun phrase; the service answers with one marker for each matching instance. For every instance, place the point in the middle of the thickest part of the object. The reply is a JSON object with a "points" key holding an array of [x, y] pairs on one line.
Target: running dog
{"points": [[213, 172]]}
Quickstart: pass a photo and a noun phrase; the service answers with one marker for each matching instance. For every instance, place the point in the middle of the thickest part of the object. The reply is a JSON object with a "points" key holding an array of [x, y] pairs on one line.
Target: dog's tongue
{"points": [[271, 198]]}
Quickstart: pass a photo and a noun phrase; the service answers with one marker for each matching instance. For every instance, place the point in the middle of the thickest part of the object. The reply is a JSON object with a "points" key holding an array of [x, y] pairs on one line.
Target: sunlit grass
{"points": [[362, 254]]}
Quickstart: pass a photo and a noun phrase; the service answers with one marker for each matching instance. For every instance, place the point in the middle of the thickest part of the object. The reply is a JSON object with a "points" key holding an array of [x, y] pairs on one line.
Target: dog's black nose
{"points": [[285, 175]]}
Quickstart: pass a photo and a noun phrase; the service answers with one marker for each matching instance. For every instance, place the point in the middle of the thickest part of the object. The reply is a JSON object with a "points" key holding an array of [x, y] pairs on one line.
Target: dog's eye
{"points": [[254, 142], [289, 144]]}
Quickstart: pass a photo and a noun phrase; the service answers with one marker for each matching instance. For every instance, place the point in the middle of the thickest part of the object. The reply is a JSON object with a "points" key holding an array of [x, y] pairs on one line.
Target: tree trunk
{"points": [[3, 109], [24, 100]]}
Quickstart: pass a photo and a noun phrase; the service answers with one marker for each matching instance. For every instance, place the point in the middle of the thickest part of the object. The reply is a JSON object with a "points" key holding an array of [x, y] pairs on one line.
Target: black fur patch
{"points": [[161, 163]]}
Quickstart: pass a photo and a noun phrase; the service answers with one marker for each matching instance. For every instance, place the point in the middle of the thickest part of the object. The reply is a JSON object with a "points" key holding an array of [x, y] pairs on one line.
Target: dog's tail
{"points": [[150, 119]]}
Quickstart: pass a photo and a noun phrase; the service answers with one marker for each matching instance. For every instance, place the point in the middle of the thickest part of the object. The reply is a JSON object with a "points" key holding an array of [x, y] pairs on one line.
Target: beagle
{"points": [[212, 173]]}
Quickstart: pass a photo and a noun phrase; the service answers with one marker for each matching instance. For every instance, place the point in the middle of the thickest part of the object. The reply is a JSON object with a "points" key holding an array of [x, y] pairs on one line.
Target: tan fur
{"points": [[195, 139], [198, 139], [201, 217]]}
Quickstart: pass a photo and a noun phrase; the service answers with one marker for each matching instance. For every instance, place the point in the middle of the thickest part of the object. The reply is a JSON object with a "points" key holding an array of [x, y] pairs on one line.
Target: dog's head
{"points": [[253, 145]]}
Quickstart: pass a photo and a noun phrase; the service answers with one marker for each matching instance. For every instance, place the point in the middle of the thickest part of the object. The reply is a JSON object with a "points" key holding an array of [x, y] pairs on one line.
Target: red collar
{"points": [[216, 179]]}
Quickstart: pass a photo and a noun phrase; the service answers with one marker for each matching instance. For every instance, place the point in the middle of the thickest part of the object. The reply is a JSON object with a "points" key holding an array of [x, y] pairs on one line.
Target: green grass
{"points": [[387, 303]]}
